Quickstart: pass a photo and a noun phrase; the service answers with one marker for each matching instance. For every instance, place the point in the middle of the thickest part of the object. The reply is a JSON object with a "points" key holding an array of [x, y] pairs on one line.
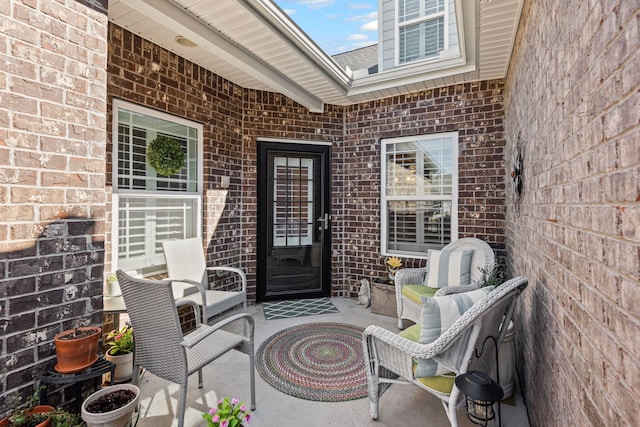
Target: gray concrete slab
{"points": [[401, 405]]}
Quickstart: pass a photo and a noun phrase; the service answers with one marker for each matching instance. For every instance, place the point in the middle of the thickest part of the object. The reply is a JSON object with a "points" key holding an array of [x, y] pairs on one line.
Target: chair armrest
{"points": [[196, 309], [203, 332], [243, 276], [448, 290], [402, 345], [198, 285], [413, 276]]}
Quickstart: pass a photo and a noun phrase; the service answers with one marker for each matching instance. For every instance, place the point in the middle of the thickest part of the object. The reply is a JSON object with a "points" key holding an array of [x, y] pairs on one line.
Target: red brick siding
{"points": [[52, 156], [572, 91]]}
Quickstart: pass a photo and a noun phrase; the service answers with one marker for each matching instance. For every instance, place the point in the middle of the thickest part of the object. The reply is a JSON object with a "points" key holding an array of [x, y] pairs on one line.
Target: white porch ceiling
{"points": [[255, 45]]}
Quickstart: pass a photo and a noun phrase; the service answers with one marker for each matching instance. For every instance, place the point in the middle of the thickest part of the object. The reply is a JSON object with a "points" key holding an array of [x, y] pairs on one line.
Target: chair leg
{"points": [[200, 378], [451, 407], [252, 380], [182, 402]]}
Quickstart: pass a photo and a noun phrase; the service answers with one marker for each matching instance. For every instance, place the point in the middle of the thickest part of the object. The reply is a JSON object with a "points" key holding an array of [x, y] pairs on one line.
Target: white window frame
{"points": [[118, 193], [384, 220], [419, 20]]}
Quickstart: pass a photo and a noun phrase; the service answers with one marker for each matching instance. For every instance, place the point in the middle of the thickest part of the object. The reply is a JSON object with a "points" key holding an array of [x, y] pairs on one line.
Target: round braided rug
{"points": [[316, 361]]}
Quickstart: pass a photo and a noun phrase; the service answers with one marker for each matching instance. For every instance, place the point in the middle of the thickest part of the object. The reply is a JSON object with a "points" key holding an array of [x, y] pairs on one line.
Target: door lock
{"points": [[324, 221]]}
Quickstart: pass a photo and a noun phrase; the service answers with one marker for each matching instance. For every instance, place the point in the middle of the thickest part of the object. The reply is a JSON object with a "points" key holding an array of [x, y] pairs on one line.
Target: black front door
{"points": [[294, 225]]}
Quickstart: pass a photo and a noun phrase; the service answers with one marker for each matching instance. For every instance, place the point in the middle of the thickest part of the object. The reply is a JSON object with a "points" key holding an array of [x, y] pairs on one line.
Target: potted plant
{"points": [[29, 415], [393, 265], [112, 288], [120, 352], [227, 413], [77, 349], [111, 406]]}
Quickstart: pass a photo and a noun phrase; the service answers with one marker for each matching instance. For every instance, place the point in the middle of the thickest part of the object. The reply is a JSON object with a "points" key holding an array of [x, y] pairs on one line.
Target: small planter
{"points": [[124, 367], [77, 349], [40, 409], [119, 417]]}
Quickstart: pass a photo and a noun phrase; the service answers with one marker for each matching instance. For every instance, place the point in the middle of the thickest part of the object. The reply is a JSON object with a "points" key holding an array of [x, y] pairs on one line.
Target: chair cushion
{"points": [[438, 314], [416, 292], [448, 268], [441, 383]]}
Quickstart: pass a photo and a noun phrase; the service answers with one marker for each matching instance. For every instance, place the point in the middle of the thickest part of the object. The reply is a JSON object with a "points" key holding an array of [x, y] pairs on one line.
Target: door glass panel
{"points": [[294, 233]]}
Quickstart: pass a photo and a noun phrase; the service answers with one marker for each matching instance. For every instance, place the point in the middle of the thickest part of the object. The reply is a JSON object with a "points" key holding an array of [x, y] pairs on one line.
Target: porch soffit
{"points": [[254, 44]]}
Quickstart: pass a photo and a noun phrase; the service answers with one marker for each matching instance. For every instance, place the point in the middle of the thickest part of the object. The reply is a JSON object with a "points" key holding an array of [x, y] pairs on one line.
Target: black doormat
{"points": [[297, 308]]}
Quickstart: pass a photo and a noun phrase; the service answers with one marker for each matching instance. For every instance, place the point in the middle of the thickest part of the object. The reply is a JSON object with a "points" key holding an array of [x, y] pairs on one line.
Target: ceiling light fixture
{"points": [[183, 41]]}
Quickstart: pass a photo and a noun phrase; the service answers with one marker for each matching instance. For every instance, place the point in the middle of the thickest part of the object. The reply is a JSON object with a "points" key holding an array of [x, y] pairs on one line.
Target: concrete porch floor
{"points": [[401, 405]]}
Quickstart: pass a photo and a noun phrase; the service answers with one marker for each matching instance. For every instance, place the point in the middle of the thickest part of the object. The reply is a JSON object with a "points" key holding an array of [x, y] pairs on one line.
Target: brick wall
{"points": [[146, 74], [52, 156], [572, 93], [474, 110]]}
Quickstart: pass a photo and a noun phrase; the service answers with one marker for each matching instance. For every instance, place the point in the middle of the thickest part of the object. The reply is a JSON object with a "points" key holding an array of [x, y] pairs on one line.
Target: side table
{"points": [[94, 372]]}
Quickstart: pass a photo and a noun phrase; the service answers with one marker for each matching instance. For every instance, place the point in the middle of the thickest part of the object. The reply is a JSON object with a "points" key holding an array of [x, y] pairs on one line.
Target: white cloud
{"points": [[316, 4], [363, 18], [333, 16], [370, 26], [290, 11], [354, 6], [358, 37]]}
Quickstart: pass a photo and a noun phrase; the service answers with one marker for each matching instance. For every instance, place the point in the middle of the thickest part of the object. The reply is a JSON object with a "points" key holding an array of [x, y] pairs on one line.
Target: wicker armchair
{"points": [[188, 272], [483, 258], [454, 349], [162, 349]]}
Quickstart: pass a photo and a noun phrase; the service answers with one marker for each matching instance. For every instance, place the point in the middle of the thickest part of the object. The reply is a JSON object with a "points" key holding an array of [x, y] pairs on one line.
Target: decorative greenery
{"points": [[165, 155], [111, 277], [495, 277], [22, 416], [121, 341], [228, 413], [62, 418]]}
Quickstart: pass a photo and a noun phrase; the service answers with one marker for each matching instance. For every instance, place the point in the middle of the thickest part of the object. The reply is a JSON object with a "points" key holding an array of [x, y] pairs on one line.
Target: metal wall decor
{"points": [[516, 171]]}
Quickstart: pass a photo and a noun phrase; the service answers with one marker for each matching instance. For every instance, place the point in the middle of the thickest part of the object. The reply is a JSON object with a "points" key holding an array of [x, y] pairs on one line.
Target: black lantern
{"points": [[481, 393]]}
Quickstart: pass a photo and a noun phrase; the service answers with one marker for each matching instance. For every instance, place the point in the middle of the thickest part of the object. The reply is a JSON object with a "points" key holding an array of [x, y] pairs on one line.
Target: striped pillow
{"points": [[438, 314], [448, 268]]}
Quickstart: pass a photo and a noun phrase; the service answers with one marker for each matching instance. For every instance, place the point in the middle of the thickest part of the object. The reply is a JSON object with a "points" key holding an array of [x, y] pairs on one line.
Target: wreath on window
{"points": [[165, 155]]}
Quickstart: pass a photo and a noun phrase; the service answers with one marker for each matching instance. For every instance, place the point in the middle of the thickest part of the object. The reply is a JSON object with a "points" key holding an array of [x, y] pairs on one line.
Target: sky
{"points": [[335, 25]]}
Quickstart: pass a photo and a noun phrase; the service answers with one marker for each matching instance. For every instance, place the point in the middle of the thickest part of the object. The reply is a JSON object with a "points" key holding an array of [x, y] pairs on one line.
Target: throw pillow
{"points": [[448, 268], [438, 315]]}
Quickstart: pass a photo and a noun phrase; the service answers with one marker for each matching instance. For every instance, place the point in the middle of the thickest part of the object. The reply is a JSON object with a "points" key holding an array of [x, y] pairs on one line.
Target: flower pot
{"points": [[118, 417], [75, 354], [124, 367], [112, 289], [39, 409]]}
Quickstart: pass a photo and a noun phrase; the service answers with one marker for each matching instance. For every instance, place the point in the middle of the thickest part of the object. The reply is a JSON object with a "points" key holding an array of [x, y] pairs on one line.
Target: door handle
{"points": [[324, 221]]}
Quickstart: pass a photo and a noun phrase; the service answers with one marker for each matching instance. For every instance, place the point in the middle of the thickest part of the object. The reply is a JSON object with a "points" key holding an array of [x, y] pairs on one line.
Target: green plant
{"points": [[121, 341], [165, 155], [494, 277], [111, 277], [228, 413], [22, 415], [62, 418]]}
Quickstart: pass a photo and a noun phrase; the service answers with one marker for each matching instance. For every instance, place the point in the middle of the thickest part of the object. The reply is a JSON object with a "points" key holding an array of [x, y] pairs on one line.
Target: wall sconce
{"points": [[224, 182]]}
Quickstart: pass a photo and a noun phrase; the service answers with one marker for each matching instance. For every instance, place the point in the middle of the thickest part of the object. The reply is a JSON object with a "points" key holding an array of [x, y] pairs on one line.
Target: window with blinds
{"points": [[421, 29], [419, 193], [150, 208]]}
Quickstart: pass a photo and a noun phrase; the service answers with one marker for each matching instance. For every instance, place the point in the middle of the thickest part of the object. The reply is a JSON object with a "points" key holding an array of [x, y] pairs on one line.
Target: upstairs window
{"points": [[419, 193], [421, 29]]}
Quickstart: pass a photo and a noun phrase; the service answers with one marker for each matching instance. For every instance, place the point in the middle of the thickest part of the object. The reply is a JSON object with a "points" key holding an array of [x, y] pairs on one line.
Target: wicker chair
{"points": [[162, 349], [188, 271], [408, 309], [454, 349]]}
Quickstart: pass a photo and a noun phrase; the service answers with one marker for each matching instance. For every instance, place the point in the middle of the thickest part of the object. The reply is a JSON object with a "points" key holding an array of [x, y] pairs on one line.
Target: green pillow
{"points": [[448, 268], [438, 315]]}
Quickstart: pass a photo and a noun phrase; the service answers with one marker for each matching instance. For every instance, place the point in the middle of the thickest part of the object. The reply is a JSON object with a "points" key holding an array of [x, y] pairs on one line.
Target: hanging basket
{"points": [[165, 155]]}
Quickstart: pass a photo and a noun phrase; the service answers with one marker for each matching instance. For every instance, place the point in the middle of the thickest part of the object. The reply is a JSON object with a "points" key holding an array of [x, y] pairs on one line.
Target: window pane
{"points": [[144, 222], [421, 40], [416, 226], [420, 168], [135, 133]]}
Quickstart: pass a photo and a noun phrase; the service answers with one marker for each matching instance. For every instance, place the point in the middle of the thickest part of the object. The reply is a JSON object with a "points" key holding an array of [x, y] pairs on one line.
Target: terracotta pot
{"points": [[124, 367], [77, 354], [36, 410]]}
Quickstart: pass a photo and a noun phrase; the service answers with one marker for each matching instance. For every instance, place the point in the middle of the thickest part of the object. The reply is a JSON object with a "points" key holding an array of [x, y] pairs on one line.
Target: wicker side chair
{"points": [[162, 349], [483, 258], [188, 271], [386, 351]]}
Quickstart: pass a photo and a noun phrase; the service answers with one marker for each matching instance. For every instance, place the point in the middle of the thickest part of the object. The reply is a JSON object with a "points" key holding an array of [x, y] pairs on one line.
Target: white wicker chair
{"points": [[483, 258], [454, 349], [162, 349], [188, 271]]}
